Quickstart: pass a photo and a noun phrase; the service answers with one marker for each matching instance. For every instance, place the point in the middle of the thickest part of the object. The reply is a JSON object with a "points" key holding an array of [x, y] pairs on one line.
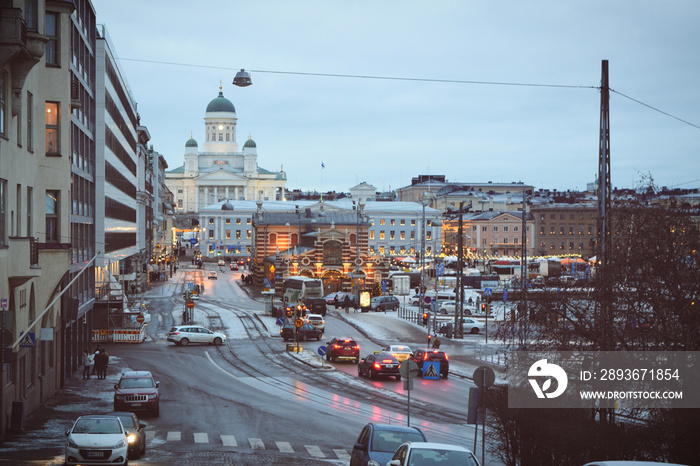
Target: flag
{"points": [[323, 165]]}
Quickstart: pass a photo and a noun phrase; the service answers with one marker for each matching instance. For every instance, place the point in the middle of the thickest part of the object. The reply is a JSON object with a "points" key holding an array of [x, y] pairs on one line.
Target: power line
{"points": [[655, 109]]}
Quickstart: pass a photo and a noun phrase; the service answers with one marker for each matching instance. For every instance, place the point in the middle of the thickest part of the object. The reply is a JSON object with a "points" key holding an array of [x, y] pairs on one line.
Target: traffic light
{"points": [[430, 339], [425, 318], [483, 308], [289, 312]]}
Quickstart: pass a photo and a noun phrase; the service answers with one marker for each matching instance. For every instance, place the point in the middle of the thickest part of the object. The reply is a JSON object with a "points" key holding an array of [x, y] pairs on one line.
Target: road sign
{"points": [[27, 340], [431, 370], [190, 304], [505, 294], [190, 286], [427, 299], [140, 318], [280, 321], [384, 284], [484, 377], [3, 304], [409, 369], [193, 241], [488, 291], [298, 323], [322, 350]]}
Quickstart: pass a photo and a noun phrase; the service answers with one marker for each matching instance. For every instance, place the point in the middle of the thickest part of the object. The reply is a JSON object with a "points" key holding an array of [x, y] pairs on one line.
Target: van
{"points": [[434, 296]]}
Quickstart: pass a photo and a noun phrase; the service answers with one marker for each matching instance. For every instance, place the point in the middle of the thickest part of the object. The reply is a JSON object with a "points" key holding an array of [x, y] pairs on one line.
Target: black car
{"points": [[343, 348], [422, 356], [305, 332], [384, 303], [376, 364], [316, 306], [378, 442], [135, 433]]}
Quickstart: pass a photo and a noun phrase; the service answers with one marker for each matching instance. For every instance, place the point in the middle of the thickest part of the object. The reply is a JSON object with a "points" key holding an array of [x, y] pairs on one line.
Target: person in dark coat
{"points": [[346, 304], [336, 302]]}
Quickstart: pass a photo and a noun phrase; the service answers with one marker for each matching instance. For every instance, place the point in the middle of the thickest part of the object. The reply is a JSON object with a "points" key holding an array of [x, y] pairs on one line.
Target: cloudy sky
{"points": [[496, 91]]}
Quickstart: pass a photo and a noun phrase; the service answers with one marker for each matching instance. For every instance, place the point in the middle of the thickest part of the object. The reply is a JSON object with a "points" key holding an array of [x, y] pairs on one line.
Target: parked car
{"points": [[384, 303], [343, 348], [330, 299], [421, 356], [316, 320], [186, 334], [213, 275], [96, 439], [376, 364], [423, 453], [135, 433], [137, 391], [472, 326], [305, 332], [447, 307], [400, 352], [378, 442]]}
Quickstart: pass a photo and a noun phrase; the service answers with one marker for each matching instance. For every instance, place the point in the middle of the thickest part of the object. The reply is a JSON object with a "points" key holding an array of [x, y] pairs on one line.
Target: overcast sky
{"points": [[386, 131]]}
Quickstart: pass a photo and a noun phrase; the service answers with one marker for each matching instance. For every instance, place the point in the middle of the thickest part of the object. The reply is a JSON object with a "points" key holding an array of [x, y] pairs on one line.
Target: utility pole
{"points": [[523, 270], [460, 286]]}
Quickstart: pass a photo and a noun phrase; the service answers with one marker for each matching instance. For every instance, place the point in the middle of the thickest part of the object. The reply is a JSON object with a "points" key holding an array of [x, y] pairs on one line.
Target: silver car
{"points": [[186, 334], [316, 321]]}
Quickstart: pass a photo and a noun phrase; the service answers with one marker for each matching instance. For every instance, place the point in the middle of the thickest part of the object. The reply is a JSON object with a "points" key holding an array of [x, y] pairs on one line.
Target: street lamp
{"points": [[289, 245], [242, 79]]}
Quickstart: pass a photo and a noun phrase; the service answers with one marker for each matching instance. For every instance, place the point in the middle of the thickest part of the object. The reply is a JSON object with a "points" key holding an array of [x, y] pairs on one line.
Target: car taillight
{"points": [[175, 333], [425, 356], [336, 346], [446, 358], [377, 365], [387, 361]]}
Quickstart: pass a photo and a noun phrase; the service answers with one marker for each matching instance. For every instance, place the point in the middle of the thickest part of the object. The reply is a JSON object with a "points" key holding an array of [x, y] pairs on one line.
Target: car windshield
{"points": [[389, 442], [424, 456], [346, 343], [142, 382], [127, 421], [97, 426]]}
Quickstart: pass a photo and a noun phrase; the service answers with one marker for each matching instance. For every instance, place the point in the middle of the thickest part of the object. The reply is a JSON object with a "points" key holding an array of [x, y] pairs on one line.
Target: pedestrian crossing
{"points": [[254, 443]]}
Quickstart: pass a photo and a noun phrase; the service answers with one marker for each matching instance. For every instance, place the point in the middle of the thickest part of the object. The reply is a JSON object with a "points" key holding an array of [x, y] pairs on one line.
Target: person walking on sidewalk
{"points": [[88, 362]]}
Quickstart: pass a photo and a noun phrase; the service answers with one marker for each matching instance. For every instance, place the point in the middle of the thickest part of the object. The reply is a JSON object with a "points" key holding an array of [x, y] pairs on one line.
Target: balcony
{"points": [[23, 258]]}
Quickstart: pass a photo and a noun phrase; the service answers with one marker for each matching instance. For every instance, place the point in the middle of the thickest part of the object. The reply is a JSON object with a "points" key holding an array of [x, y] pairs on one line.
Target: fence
{"points": [[120, 335]]}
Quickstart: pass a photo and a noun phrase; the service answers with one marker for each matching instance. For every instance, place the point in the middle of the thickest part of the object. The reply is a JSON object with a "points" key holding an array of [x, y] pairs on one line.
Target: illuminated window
{"points": [[52, 127], [51, 211]]}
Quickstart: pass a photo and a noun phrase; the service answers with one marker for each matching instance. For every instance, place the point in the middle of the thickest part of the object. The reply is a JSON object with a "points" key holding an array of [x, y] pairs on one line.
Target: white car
{"points": [[400, 352], [316, 321], [186, 334], [213, 275], [447, 307], [420, 453], [96, 439], [472, 326]]}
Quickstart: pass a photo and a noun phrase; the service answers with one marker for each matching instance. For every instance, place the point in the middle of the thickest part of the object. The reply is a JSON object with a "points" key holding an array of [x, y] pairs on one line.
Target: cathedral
{"points": [[221, 171]]}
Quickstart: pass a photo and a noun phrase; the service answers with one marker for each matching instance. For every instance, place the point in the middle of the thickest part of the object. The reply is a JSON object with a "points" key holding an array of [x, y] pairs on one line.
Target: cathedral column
{"points": [[206, 196], [227, 192]]}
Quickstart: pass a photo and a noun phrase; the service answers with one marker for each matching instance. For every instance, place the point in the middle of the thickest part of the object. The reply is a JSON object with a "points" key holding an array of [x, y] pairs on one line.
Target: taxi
{"points": [[400, 352]]}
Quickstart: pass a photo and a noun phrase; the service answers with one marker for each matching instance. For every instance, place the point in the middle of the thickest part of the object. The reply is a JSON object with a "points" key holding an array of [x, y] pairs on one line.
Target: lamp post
{"points": [[360, 206], [289, 246], [433, 224]]}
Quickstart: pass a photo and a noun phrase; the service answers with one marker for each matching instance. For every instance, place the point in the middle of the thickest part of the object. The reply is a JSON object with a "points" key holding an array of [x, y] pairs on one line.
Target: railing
{"points": [[33, 251]]}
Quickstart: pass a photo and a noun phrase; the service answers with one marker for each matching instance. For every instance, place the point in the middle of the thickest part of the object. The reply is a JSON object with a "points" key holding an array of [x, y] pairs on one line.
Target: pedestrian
{"points": [[105, 363], [436, 342], [346, 304], [98, 364], [336, 302], [88, 362]]}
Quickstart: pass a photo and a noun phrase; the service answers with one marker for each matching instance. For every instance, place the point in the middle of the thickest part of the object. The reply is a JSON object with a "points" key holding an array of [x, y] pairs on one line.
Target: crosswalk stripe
{"points": [[342, 454], [256, 444], [150, 435], [229, 441], [201, 437], [285, 447], [314, 451], [174, 436]]}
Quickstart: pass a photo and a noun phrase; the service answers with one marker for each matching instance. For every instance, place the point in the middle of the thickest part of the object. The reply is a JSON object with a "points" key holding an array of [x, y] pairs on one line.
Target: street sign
{"points": [[427, 299], [190, 304], [193, 241], [484, 377], [384, 283], [505, 294], [190, 286], [431, 370], [298, 323], [27, 340], [140, 318], [409, 369], [488, 291], [3, 304], [280, 321], [322, 350]]}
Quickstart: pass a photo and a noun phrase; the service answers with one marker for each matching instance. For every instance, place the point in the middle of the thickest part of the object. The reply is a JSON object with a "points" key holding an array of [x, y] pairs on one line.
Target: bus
{"points": [[298, 289]]}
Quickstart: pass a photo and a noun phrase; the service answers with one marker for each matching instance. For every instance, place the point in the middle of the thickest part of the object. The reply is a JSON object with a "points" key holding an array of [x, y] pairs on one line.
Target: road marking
{"points": [[201, 437], [314, 451], [256, 444], [342, 454], [174, 436], [150, 435], [229, 441], [285, 447]]}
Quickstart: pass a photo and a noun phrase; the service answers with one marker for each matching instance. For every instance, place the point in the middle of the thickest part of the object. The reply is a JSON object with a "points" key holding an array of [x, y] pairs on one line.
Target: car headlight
{"points": [[373, 463], [131, 438], [72, 444], [119, 397], [120, 444], [152, 396]]}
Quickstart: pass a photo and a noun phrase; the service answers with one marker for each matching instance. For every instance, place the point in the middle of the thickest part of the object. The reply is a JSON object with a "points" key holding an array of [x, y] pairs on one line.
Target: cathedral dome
{"points": [[249, 143], [227, 206], [191, 143], [221, 104]]}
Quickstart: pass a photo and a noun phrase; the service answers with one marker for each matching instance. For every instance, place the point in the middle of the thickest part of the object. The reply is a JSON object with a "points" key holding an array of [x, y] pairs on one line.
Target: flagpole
{"points": [[322, 167]]}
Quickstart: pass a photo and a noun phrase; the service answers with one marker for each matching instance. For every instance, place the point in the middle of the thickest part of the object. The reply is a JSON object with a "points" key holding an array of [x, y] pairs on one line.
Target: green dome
{"points": [[191, 143], [221, 104], [249, 143]]}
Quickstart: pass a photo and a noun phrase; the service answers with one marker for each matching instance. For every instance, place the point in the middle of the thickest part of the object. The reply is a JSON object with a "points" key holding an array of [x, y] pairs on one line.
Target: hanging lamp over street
{"points": [[242, 79]]}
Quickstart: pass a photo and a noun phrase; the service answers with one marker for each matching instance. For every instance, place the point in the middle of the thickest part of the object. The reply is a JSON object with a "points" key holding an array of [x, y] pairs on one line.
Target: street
{"points": [[248, 401]]}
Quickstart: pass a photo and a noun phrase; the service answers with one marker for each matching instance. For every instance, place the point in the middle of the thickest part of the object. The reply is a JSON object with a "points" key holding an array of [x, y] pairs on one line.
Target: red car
{"points": [[343, 348]]}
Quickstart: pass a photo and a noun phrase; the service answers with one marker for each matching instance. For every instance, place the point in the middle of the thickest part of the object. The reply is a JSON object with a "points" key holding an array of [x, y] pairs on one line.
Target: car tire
{"points": [[359, 372], [357, 360], [143, 449], [369, 374], [318, 338], [217, 341], [156, 410], [184, 342], [474, 331], [398, 377]]}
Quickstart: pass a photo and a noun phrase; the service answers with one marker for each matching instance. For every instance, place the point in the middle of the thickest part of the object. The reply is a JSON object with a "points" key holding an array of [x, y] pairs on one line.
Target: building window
{"points": [[381, 235], [180, 203], [228, 234], [30, 214], [413, 223], [332, 253], [505, 240], [392, 234], [52, 47], [238, 221], [552, 230], [3, 203], [392, 222], [211, 234], [371, 234], [392, 251], [248, 221], [505, 228], [403, 250], [273, 238], [238, 234], [52, 204], [30, 13], [52, 127], [484, 229], [381, 222], [571, 230], [227, 221], [542, 230], [495, 228], [381, 250], [249, 249], [403, 235], [516, 240], [403, 222], [211, 220], [3, 102], [248, 234], [428, 236], [413, 235], [30, 122], [516, 229], [221, 137]]}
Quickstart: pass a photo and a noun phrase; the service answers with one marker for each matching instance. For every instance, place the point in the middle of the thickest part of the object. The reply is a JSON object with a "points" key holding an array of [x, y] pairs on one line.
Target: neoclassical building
{"points": [[221, 171]]}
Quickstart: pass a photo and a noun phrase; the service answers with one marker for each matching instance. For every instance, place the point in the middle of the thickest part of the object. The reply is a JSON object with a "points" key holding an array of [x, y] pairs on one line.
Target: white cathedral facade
{"points": [[220, 171]]}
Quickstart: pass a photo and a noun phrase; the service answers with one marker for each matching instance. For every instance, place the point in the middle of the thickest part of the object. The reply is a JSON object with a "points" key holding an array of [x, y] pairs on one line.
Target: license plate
{"points": [[135, 405], [391, 366], [95, 454]]}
